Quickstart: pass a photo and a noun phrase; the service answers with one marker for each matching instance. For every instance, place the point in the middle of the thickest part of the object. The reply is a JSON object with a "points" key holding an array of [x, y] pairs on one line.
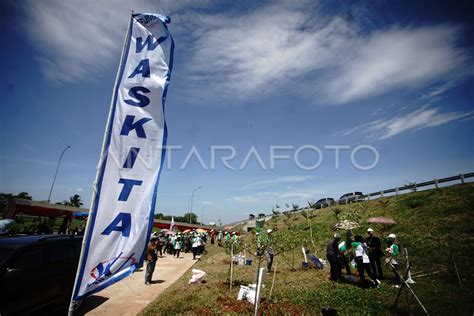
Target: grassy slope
{"points": [[432, 224]]}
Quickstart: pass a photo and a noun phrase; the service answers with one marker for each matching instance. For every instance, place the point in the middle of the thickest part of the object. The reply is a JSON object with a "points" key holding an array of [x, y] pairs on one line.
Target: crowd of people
{"points": [[173, 244], [166, 242], [365, 254]]}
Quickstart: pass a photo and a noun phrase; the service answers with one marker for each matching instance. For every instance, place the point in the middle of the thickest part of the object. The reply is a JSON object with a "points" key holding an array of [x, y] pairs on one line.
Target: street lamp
{"points": [[192, 198], [56, 173]]}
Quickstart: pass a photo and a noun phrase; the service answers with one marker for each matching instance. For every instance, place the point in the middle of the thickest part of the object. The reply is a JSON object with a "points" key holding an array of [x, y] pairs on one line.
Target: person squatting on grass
{"points": [[393, 252], [151, 258], [343, 261]]}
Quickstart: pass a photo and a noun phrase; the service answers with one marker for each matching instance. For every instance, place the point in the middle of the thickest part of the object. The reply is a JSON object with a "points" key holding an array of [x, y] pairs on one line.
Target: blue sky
{"points": [[394, 76]]}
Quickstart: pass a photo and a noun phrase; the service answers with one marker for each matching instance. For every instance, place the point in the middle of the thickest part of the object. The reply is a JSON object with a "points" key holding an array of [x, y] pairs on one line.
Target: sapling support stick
{"points": [[273, 280]]}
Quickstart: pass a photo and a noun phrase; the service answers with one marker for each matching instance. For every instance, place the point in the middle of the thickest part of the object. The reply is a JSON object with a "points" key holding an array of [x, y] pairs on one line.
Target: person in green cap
{"points": [[393, 252]]}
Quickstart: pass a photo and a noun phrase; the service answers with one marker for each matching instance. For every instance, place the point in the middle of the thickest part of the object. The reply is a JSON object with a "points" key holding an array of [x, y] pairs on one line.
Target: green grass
{"points": [[431, 224]]}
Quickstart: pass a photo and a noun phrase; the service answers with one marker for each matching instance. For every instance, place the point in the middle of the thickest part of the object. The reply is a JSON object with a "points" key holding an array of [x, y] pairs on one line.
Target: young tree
{"points": [[295, 207], [190, 218], [75, 200]]}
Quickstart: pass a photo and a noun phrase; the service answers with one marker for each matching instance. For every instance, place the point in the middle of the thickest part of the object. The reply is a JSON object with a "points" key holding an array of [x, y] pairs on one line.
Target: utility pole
{"points": [[56, 173]]}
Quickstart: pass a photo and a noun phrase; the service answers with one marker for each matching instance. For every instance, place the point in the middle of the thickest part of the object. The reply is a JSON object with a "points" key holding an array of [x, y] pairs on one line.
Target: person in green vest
{"points": [[227, 236], [393, 251], [178, 244], [234, 236]]}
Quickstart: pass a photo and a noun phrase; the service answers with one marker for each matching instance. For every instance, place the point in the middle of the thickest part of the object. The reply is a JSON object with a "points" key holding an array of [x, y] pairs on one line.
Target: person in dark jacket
{"points": [[332, 254], [151, 258], [375, 253]]}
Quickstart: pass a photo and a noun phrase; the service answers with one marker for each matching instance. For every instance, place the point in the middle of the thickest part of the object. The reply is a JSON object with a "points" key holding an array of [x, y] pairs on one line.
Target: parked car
{"points": [[325, 202], [351, 198], [37, 272]]}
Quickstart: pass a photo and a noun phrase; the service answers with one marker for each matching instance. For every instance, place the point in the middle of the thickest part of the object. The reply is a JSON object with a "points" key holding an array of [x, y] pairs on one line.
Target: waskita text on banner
{"points": [[132, 156]]}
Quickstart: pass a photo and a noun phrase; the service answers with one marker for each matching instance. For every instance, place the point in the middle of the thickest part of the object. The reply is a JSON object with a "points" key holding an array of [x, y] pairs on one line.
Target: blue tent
{"points": [[81, 214]]}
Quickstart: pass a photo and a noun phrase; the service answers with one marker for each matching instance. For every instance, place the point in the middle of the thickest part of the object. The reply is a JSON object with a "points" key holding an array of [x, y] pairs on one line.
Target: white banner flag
{"points": [[125, 189], [172, 224]]}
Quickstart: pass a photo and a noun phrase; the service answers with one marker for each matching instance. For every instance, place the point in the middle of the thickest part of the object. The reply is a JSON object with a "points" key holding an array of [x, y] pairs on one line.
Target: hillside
{"points": [[432, 224]]}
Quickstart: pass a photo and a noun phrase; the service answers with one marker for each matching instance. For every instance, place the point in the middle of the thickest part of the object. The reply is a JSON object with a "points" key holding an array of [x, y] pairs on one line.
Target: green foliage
{"points": [[5, 199], [413, 202], [312, 205], [237, 246], [74, 200], [336, 211], [183, 219], [431, 224]]}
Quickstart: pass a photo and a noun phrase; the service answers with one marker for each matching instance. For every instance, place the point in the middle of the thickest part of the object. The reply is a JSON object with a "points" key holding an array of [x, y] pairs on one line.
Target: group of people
{"points": [[225, 236], [366, 253], [172, 244]]}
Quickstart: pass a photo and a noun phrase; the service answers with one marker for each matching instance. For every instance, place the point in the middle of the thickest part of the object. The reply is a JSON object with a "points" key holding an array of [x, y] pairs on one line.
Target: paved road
{"points": [[131, 295]]}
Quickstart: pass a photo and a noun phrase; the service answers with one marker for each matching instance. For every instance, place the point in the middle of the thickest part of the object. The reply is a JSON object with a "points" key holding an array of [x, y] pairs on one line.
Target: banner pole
{"points": [[102, 158]]}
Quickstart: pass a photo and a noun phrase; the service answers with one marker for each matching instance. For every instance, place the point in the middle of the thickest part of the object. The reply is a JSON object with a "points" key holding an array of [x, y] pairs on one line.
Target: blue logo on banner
{"points": [[106, 269]]}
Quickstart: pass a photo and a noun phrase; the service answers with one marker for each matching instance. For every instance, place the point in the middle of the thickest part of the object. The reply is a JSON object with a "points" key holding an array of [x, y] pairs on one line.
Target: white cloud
{"points": [[79, 189], [279, 196], [438, 90], [249, 53], [396, 58], [76, 40], [288, 179], [276, 47], [419, 119]]}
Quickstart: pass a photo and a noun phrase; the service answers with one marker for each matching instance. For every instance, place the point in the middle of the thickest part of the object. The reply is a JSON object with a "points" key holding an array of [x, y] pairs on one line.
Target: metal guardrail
{"points": [[397, 190], [414, 186]]}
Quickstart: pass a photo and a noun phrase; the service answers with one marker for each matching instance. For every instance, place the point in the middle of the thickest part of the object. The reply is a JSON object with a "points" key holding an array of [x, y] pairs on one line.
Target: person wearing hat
{"points": [[393, 251], [178, 244], [375, 253], [361, 259], [332, 254], [196, 243]]}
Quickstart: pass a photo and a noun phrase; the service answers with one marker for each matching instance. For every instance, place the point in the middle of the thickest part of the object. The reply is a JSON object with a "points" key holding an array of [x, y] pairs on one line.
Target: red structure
{"points": [[42, 209]]}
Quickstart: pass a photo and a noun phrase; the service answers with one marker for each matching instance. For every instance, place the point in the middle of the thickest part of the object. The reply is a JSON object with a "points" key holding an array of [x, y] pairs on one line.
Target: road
{"points": [[131, 295]]}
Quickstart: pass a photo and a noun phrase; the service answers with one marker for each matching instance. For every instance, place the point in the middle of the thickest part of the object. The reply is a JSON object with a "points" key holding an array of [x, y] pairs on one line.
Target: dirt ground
{"points": [[131, 295]]}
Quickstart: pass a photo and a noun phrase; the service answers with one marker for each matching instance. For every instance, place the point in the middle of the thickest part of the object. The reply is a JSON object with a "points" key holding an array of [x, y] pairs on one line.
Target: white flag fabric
{"points": [[172, 224], [132, 157]]}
